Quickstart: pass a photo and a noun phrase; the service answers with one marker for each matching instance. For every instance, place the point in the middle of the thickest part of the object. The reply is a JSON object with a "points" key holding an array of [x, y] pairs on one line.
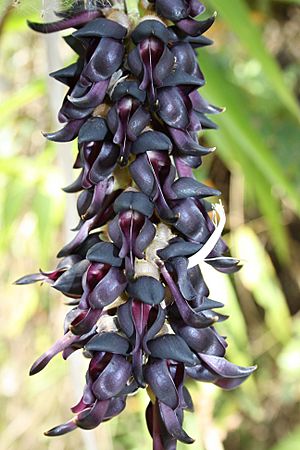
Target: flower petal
{"points": [[134, 200], [108, 289], [101, 28], [71, 22], [158, 377], [113, 378], [105, 253], [173, 424], [147, 289], [225, 368], [108, 342], [170, 346]]}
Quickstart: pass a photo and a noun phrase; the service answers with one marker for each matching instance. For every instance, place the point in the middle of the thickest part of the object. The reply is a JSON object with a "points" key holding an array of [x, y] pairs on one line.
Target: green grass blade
{"points": [[237, 122], [289, 442], [258, 186], [21, 98], [291, 2], [237, 15], [259, 277]]}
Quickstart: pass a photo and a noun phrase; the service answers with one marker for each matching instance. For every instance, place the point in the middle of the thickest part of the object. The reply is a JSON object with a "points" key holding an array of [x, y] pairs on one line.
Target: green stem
{"points": [[132, 8]]}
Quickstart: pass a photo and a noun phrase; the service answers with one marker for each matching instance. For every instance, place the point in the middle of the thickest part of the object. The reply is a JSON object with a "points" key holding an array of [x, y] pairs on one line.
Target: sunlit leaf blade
{"points": [[237, 122], [258, 188], [21, 98], [289, 442], [259, 277], [238, 16], [297, 2]]}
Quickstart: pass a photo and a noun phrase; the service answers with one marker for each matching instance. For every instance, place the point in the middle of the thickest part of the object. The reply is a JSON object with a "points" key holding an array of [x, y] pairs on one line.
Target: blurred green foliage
{"points": [[254, 71]]}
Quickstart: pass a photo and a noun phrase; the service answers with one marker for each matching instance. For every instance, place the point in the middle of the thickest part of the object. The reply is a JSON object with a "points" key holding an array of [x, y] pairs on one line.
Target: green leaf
{"points": [[237, 122], [238, 17], [295, 2], [13, 197], [259, 277], [19, 99], [289, 442], [258, 187]]}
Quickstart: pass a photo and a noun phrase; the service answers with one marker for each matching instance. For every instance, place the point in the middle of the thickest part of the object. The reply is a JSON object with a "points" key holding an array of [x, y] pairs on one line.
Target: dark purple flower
{"points": [[128, 117], [151, 60], [99, 44], [102, 399], [140, 307]]}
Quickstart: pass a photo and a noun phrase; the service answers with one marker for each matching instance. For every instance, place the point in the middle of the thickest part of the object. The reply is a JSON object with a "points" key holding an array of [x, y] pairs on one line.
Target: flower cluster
{"points": [[140, 308]]}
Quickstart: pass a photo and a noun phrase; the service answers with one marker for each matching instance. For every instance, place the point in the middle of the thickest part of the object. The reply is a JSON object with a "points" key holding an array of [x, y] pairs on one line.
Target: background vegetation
{"points": [[254, 71]]}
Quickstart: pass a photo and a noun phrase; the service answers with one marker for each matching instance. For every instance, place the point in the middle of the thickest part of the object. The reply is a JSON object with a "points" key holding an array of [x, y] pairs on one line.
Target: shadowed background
{"points": [[253, 69]]}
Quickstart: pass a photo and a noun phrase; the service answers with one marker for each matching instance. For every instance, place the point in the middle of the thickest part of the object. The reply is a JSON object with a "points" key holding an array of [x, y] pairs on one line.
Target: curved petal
{"points": [[175, 10], [66, 134], [105, 253], [186, 187], [147, 289], [106, 60], [188, 314], [62, 429], [195, 27], [134, 200], [160, 381], [108, 342], [101, 28], [201, 340], [58, 347], [93, 97], [148, 28], [91, 418], [173, 424], [112, 379], [170, 346], [225, 368], [172, 109], [151, 141], [108, 289], [144, 238], [71, 22], [70, 282]]}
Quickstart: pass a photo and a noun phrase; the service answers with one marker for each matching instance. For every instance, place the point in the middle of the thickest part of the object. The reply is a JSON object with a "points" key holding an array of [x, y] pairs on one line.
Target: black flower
{"points": [[140, 307]]}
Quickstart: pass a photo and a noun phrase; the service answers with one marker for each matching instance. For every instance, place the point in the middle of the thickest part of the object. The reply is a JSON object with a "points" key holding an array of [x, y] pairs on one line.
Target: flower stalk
{"points": [[139, 307]]}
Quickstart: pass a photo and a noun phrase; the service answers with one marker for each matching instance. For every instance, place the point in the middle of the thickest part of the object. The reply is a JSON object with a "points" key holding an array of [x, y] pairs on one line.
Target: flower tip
{"points": [[33, 370], [74, 100], [39, 365], [29, 279], [31, 24], [51, 433], [61, 429]]}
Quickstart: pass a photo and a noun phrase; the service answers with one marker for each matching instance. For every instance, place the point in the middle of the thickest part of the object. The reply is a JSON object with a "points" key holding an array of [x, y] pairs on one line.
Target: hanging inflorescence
{"points": [[140, 308]]}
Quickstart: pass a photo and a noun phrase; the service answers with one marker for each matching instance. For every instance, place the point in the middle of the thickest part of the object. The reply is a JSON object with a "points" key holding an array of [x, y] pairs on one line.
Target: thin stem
{"points": [[132, 8]]}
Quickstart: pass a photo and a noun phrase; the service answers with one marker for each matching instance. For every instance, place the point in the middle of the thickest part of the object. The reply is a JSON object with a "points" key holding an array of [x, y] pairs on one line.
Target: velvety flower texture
{"points": [[140, 308]]}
